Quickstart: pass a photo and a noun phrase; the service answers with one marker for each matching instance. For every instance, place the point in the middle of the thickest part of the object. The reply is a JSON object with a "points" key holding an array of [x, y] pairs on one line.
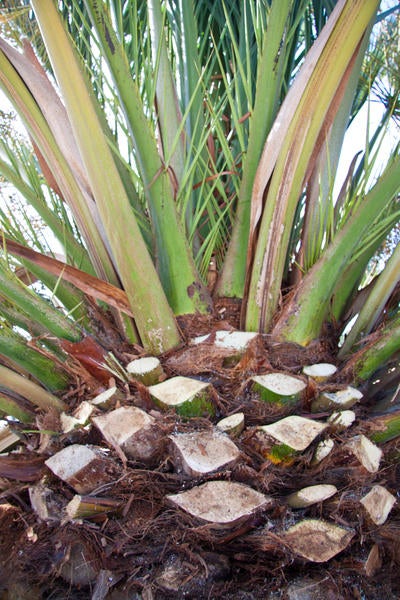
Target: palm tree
{"points": [[183, 155]]}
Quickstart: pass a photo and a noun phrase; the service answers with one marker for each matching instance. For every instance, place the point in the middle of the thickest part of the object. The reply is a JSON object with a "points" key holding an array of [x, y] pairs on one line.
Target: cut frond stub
{"points": [[320, 371], [147, 370], [202, 452], [232, 425], [104, 399], [84, 468], [311, 495], [296, 432], [223, 504], [131, 429], [323, 449], [87, 507], [339, 421], [279, 388], [317, 540], [336, 400], [79, 418], [283, 440], [189, 397], [366, 452], [378, 503]]}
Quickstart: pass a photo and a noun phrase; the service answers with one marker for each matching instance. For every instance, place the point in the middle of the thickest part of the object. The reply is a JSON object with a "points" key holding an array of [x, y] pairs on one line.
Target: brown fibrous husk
{"points": [[147, 547]]}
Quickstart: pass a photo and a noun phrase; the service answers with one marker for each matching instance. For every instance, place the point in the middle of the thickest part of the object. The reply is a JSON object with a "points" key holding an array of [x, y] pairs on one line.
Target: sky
{"points": [[355, 140]]}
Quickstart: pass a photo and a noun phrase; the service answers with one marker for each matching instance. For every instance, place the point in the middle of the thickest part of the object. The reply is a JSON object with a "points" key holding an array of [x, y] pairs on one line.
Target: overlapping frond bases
{"points": [[177, 184]]}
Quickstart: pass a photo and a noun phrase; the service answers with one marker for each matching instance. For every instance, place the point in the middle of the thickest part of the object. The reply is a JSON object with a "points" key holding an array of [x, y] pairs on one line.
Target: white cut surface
{"points": [[378, 503], [233, 424], [72, 507], [296, 432], [234, 340], [230, 340], [80, 417], [320, 371], [83, 412], [323, 449], [317, 540], [140, 366], [70, 460], [119, 425], [147, 370], [203, 452], [366, 451], [348, 394], [311, 495], [103, 397], [200, 339], [68, 423], [342, 419], [341, 399], [280, 383], [177, 390], [221, 502]]}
